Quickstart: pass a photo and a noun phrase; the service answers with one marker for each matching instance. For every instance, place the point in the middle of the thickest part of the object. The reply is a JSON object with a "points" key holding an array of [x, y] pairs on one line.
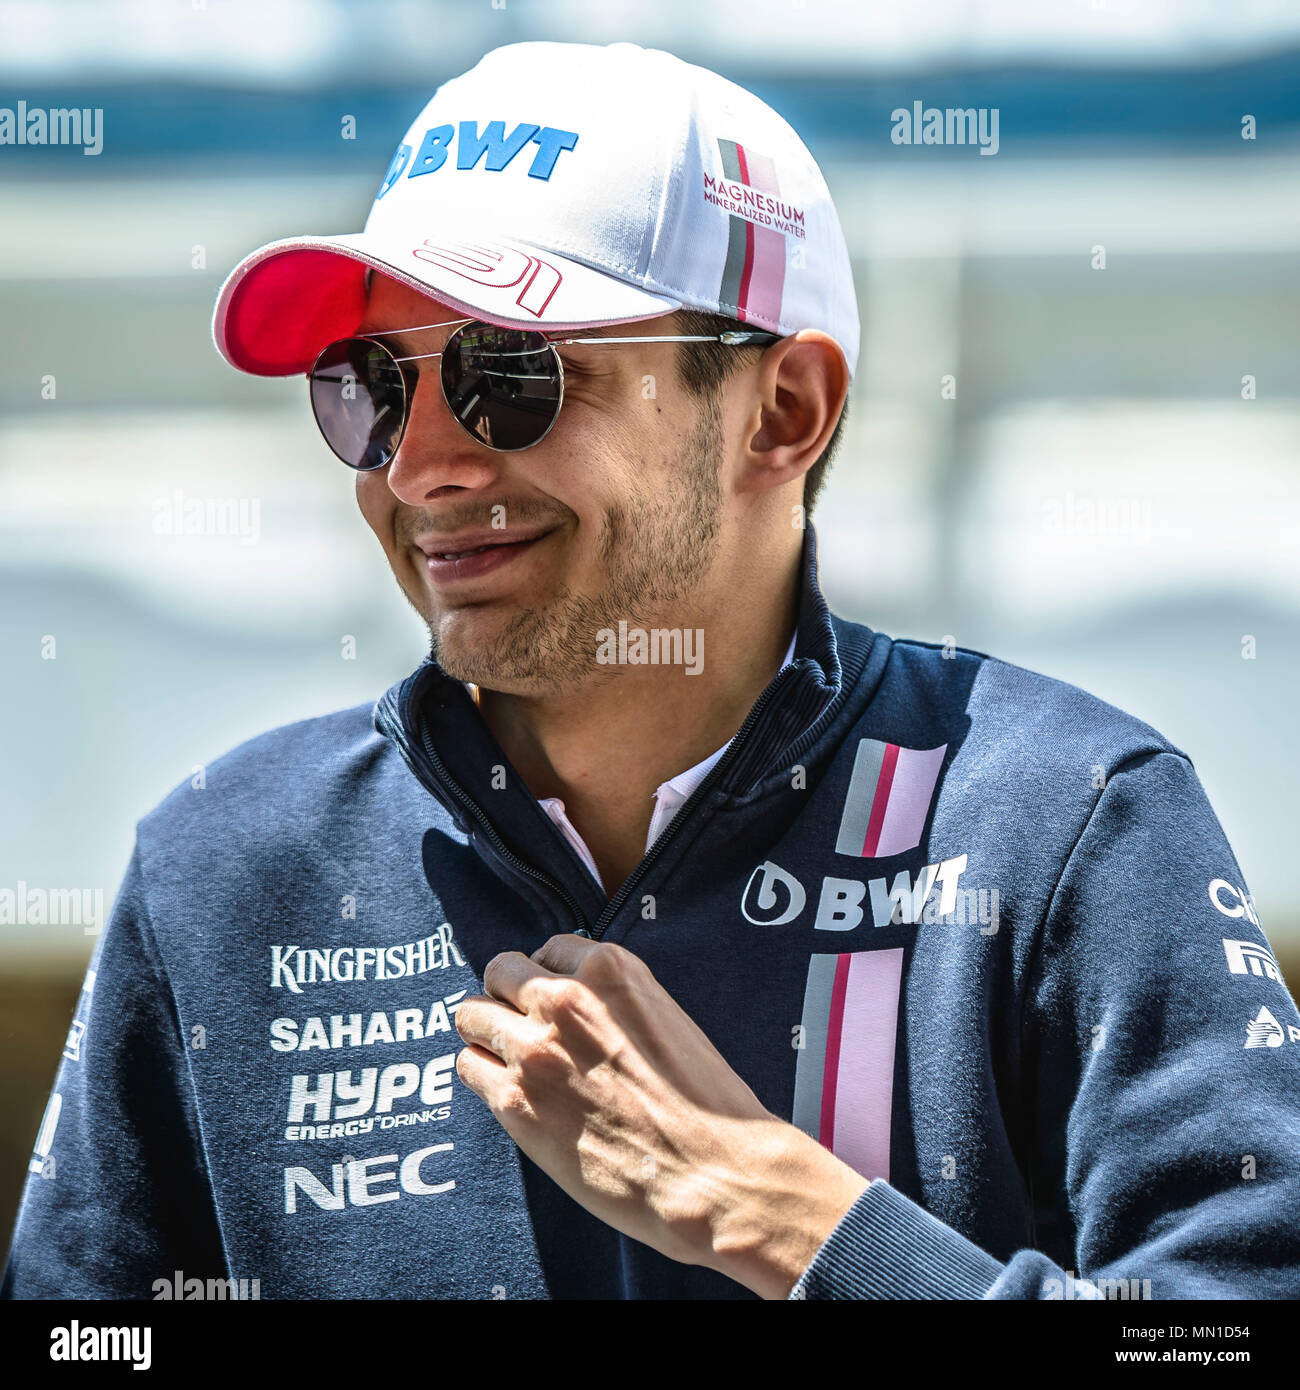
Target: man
{"points": [[662, 934]]}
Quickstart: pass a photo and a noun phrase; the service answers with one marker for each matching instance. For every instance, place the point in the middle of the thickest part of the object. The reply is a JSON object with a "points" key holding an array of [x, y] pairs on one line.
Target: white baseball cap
{"points": [[567, 185]]}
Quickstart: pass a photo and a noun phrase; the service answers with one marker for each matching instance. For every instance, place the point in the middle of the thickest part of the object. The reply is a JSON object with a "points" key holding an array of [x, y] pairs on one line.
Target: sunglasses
{"points": [[504, 386]]}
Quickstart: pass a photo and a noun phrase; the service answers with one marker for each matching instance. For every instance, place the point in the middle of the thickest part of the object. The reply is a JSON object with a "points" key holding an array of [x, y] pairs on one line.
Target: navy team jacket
{"points": [[977, 931]]}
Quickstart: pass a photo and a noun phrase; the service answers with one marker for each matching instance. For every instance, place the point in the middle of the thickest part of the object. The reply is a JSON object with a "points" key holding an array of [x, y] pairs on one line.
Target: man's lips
{"points": [[470, 555]]}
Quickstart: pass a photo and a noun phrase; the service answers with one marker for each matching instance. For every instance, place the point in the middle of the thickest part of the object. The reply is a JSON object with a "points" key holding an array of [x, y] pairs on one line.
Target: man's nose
{"points": [[436, 451]]}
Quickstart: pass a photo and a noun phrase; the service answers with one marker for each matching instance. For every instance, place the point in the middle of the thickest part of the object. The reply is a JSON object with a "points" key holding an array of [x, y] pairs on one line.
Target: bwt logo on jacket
{"points": [[493, 146], [840, 908], [771, 908], [773, 897]]}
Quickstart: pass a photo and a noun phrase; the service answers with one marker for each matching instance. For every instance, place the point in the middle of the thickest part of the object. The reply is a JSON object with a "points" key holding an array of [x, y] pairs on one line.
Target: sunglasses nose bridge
{"points": [[423, 378], [433, 452]]}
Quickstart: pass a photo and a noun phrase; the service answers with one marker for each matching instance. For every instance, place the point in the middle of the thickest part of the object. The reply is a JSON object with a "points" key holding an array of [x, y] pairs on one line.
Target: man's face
{"points": [[615, 514]]}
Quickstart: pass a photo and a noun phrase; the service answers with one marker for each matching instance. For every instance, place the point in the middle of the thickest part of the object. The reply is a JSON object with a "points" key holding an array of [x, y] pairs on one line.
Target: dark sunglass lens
{"points": [[359, 399], [503, 384]]}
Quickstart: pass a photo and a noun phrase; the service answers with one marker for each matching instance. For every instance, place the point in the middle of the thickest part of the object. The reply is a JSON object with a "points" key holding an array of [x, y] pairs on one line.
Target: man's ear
{"points": [[802, 388]]}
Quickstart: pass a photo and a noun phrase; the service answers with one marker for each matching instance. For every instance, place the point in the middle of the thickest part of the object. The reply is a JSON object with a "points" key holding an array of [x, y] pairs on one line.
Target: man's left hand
{"points": [[606, 1083]]}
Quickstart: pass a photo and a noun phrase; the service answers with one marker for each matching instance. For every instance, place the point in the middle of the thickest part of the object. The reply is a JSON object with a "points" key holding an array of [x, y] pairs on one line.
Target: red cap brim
{"points": [[287, 300]]}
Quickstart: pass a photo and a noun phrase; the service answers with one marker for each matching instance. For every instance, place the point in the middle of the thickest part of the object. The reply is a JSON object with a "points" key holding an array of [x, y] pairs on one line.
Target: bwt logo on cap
{"points": [[471, 146]]}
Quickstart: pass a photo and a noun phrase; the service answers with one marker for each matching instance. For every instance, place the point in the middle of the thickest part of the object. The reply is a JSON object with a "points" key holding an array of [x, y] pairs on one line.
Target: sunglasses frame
{"points": [[409, 377]]}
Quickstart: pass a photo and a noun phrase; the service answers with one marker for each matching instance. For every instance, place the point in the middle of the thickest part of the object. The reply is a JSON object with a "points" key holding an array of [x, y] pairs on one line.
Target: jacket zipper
{"points": [[463, 798], [612, 907], [806, 740], [616, 903]]}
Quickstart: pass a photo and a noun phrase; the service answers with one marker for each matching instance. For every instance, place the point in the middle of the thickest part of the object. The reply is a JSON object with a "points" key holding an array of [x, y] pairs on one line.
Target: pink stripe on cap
{"points": [[764, 284]]}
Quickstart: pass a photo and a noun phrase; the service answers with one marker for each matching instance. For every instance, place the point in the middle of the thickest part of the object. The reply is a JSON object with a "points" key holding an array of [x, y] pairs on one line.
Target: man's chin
{"points": [[463, 658], [546, 646], [483, 651], [511, 666]]}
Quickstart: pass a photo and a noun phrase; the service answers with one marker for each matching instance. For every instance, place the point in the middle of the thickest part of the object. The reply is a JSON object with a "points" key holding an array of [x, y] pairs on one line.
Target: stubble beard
{"points": [[655, 546]]}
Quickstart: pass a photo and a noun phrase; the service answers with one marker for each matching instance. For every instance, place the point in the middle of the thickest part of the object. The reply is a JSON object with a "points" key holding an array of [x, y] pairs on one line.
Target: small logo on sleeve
{"points": [[1265, 1031], [1231, 900], [72, 1047], [1247, 958]]}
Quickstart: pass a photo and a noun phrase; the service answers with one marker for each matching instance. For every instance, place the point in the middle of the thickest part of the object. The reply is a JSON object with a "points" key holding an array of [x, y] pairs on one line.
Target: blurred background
{"points": [[1073, 442]]}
